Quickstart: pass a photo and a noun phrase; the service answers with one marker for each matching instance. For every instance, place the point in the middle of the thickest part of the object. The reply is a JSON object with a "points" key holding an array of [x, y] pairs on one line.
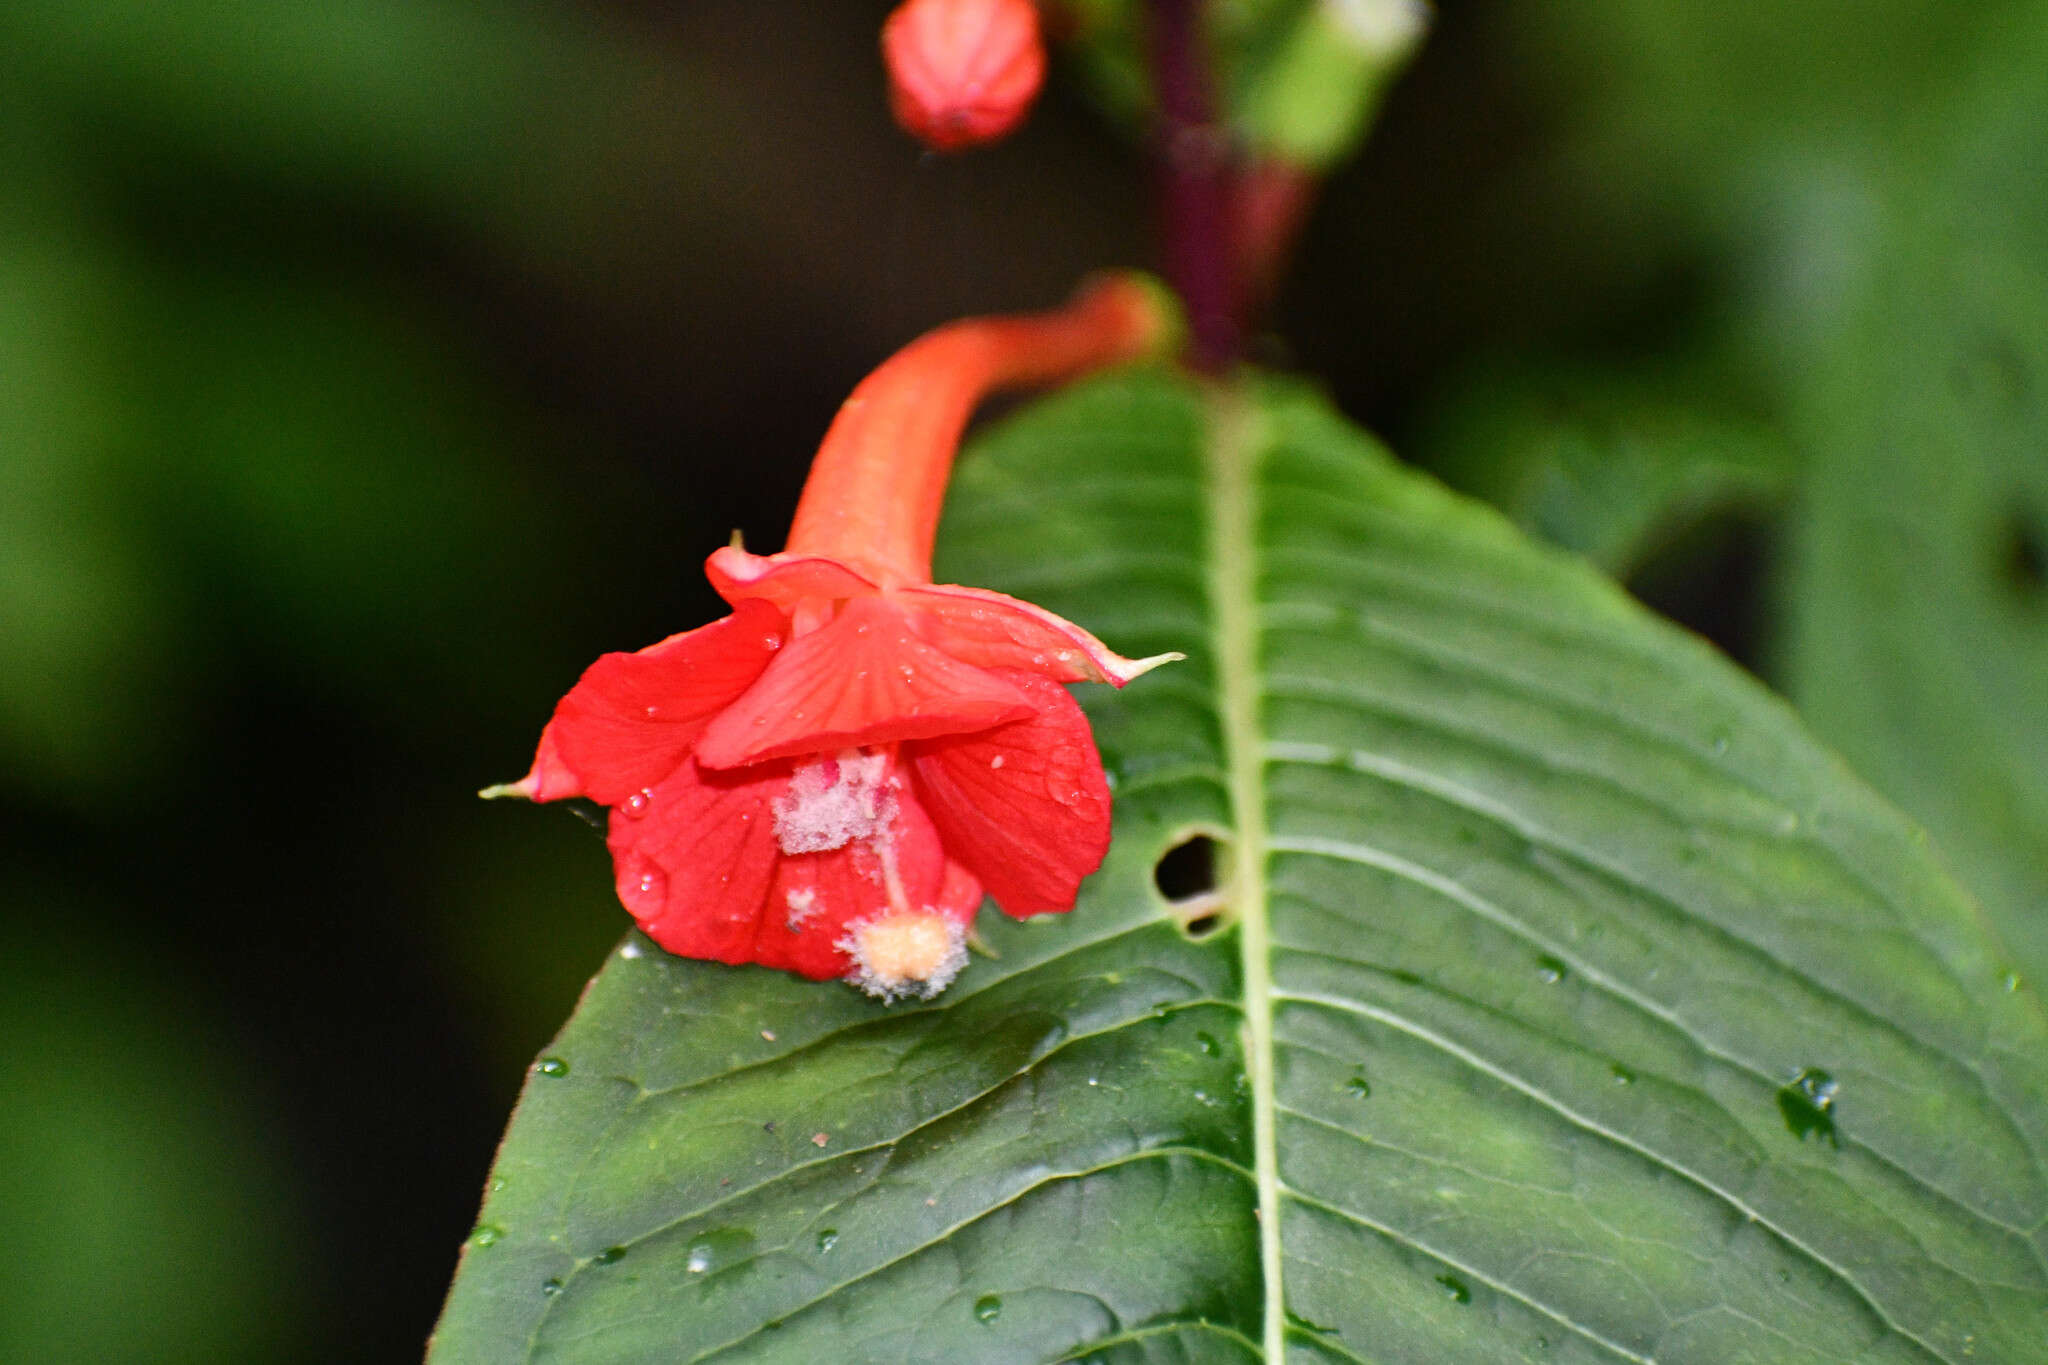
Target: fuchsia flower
{"points": [[962, 72], [829, 778]]}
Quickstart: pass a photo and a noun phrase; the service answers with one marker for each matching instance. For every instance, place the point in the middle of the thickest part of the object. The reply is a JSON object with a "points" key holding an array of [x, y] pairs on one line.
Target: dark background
{"points": [[367, 368]]}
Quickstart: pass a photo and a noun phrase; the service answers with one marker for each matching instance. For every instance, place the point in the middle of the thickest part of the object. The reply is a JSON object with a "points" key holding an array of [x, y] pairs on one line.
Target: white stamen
{"points": [[900, 954], [834, 801], [802, 903]]}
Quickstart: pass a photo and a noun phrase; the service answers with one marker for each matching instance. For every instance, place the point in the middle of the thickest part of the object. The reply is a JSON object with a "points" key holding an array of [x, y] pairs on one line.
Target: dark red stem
{"points": [[1195, 184]]}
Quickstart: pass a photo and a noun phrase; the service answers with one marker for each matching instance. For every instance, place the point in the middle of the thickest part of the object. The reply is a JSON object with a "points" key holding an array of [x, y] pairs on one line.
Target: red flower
{"points": [[829, 778], [962, 72]]}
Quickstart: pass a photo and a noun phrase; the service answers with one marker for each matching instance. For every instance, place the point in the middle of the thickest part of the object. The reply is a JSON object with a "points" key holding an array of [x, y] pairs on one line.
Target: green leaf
{"points": [[1559, 1000], [1308, 84], [1298, 80], [136, 1131], [1613, 465], [1918, 631]]}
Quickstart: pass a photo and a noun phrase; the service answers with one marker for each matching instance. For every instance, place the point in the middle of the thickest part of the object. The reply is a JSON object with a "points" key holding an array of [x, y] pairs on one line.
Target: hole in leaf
{"points": [[1187, 870], [2023, 556], [1187, 876]]}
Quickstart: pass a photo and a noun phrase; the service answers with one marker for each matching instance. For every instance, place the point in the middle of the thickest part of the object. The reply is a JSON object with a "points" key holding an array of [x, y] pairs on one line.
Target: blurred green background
{"points": [[366, 368]]}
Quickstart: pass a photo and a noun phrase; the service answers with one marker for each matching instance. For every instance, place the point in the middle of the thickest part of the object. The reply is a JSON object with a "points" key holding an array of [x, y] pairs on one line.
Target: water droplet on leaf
{"points": [[1552, 969], [609, 1256], [1358, 1087], [485, 1234], [1459, 1291], [988, 1307], [1207, 1042], [551, 1066], [827, 1239], [551, 1287], [1295, 1319], [1807, 1105]]}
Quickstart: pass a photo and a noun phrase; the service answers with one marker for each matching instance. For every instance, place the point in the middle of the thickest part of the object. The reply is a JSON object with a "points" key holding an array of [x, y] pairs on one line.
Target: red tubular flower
{"points": [[829, 778], [962, 72]]}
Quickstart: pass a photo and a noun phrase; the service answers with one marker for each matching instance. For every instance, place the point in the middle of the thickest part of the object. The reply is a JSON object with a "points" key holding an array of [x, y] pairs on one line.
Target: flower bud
{"points": [[962, 72]]}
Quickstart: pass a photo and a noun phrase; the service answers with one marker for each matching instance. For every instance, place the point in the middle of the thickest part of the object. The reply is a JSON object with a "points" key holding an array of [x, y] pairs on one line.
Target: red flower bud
{"points": [[962, 72]]}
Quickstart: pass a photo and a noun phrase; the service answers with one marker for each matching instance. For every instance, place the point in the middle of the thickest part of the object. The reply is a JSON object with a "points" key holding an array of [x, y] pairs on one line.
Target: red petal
{"points": [[863, 678], [694, 858], [630, 720], [816, 896], [994, 631], [1024, 807], [784, 579]]}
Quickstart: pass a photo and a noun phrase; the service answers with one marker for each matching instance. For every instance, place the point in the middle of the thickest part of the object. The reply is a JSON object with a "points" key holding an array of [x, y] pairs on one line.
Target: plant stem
{"points": [[1195, 184]]}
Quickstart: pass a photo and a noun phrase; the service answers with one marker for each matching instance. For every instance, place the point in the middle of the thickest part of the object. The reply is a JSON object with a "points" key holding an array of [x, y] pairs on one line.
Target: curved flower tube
{"points": [[828, 779]]}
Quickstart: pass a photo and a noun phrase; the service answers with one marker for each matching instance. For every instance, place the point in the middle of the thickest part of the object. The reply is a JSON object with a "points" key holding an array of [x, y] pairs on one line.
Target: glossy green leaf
{"points": [[1559, 999]]}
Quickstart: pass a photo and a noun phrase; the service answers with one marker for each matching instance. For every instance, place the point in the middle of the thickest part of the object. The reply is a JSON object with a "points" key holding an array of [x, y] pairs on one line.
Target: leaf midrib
{"points": [[1236, 435]]}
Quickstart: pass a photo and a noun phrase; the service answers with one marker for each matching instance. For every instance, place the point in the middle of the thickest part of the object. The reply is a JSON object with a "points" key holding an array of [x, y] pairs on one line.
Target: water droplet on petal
{"points": [[1060, 786], [635, 806], [642, 886]]}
